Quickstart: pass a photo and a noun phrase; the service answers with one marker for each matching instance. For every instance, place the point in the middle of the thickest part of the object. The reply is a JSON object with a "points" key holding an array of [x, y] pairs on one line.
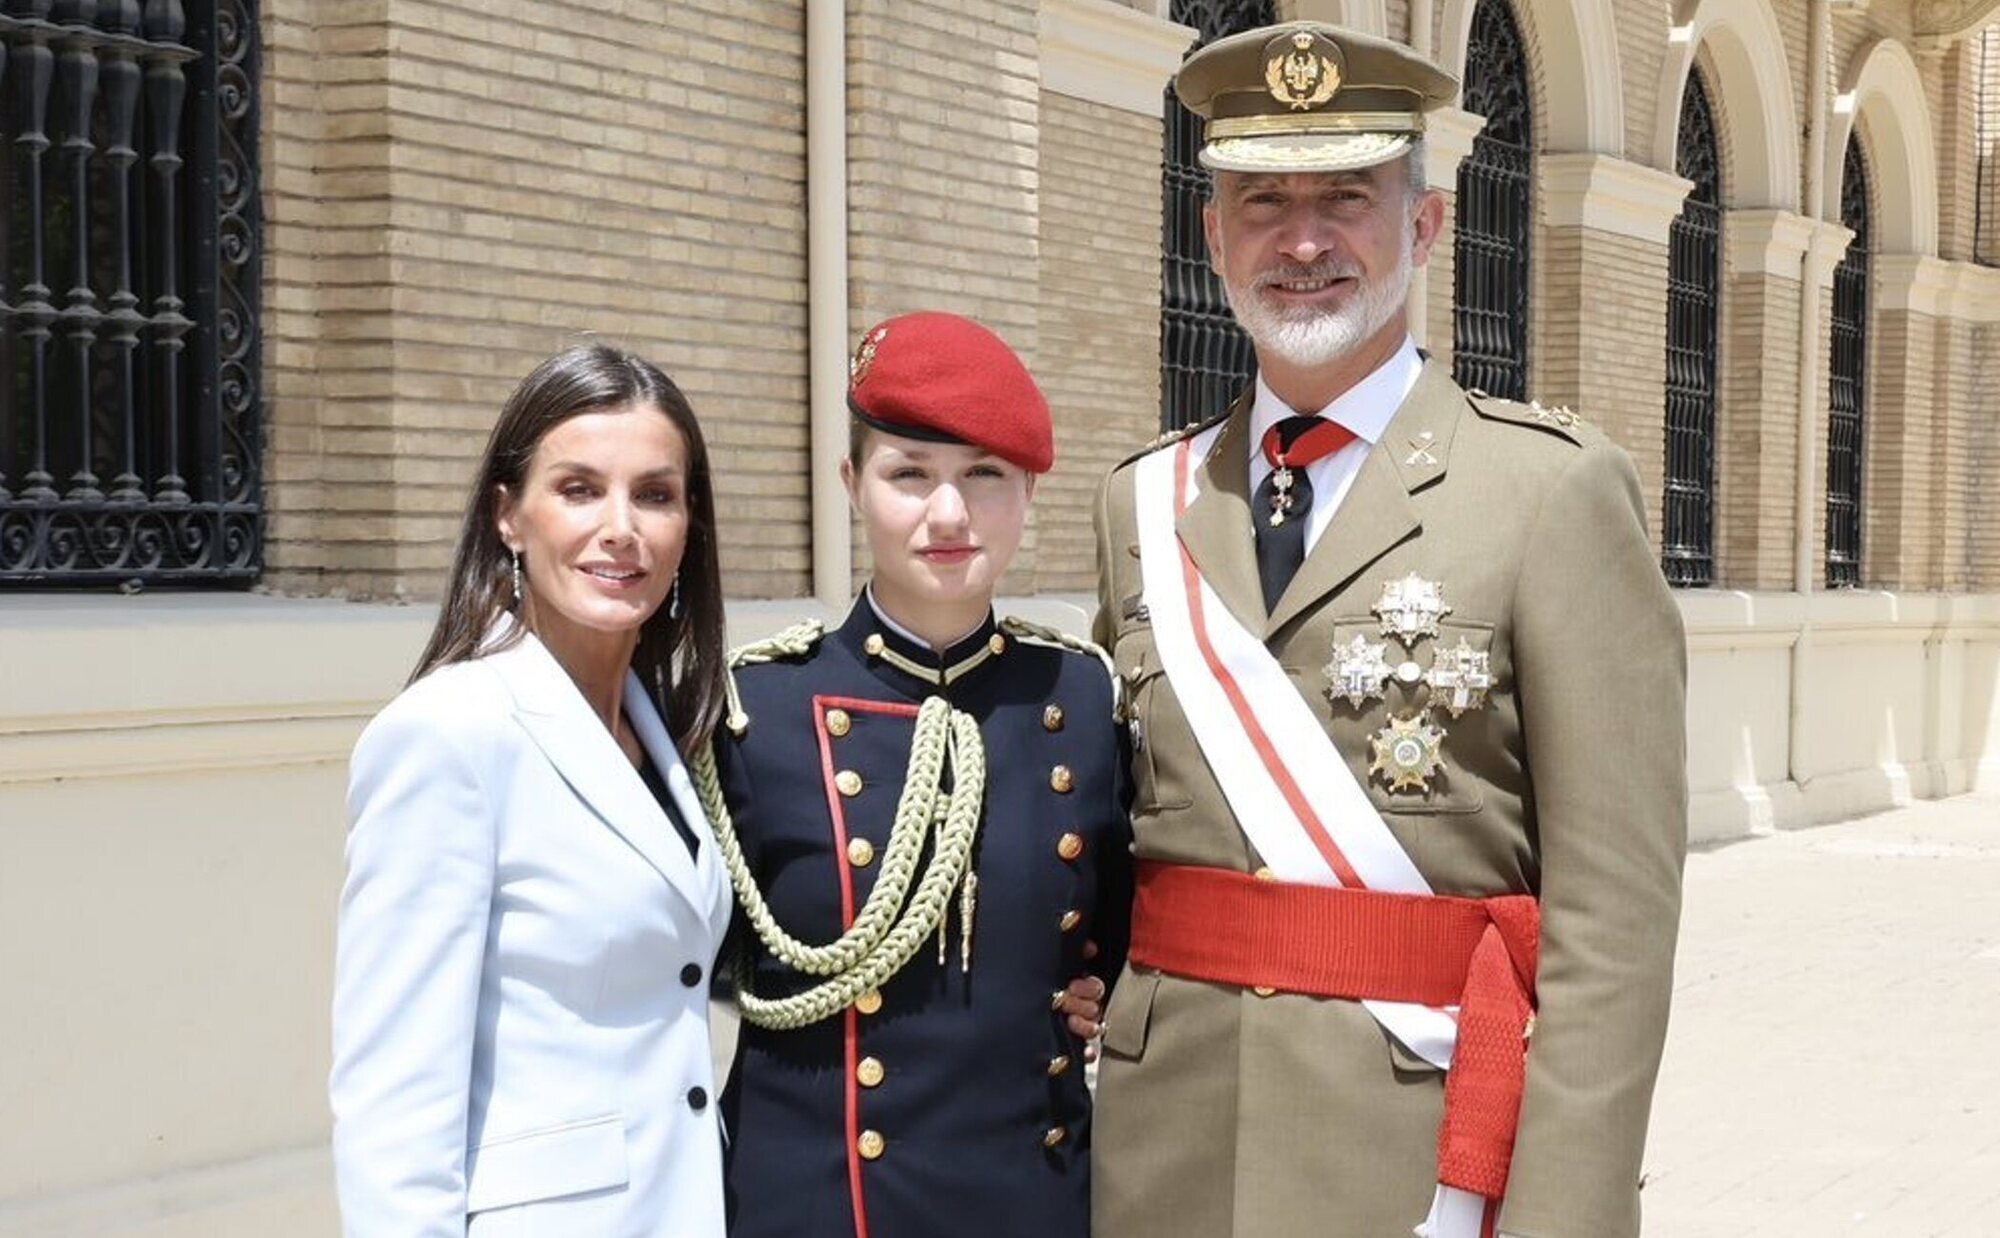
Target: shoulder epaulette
{"points": [[1558, 419], [793, 642], [1038, 634], [1174, 436]]}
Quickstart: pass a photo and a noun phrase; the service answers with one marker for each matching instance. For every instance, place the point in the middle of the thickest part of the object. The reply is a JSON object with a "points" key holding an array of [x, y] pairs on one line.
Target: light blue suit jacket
{"points": [[520, 1017]]}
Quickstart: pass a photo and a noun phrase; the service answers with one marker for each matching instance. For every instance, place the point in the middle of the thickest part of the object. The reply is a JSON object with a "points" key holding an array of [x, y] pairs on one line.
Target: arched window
{"points": [[1205, 358], [1694, 296], [1490, 274], [1847, 381]]}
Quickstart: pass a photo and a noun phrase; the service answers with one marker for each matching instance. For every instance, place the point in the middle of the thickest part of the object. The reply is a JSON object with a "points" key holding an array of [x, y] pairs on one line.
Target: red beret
{"points": [[945, 378]]}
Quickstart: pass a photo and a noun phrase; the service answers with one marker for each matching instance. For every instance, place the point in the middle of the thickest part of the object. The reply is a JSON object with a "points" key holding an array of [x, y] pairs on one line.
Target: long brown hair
{"points": [[679, 658]]}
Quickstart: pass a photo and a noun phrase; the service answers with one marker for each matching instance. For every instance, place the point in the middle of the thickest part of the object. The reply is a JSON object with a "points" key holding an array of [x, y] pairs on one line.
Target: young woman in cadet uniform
{"points": [[926, 826]]}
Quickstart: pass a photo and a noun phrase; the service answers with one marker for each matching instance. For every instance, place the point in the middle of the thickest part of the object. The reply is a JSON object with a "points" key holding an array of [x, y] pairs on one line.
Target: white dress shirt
{"points": [[1365, 408]]}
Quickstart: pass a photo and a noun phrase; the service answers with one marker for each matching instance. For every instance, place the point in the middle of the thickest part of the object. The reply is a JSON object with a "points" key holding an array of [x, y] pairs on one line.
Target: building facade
{"points": [[269, 269]]}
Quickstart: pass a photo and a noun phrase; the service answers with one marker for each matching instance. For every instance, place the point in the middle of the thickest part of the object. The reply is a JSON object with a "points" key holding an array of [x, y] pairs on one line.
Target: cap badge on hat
{"points": [[1302, 69], [864, 356]]}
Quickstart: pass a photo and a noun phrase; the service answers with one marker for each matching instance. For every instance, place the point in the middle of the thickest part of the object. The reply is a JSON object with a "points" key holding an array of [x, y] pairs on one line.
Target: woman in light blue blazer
{"points": [[533, 900]]}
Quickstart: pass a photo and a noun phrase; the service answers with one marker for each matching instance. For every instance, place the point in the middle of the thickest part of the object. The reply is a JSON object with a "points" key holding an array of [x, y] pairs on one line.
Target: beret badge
{"points": [[864, 356], [1302, 69]]}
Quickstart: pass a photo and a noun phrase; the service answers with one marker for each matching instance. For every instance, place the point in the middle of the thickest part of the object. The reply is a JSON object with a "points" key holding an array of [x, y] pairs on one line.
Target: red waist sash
{"points": [[1330, 941]]}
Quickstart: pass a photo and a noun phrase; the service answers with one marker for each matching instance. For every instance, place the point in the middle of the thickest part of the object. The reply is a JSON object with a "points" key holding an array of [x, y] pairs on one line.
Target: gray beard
{"points": [[1317, 338]]}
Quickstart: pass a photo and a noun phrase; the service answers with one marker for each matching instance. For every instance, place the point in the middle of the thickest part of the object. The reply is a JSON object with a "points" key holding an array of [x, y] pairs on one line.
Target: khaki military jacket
{"points": [[1224, 1114]]}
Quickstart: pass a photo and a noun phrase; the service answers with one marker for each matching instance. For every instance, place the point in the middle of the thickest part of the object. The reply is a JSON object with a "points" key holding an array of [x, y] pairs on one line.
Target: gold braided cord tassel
{"points": [[887, 932], [968, 906]]}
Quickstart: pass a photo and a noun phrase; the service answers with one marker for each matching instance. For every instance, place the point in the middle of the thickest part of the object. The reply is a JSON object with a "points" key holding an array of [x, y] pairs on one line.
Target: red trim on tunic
{"points": [[850, 1019]]}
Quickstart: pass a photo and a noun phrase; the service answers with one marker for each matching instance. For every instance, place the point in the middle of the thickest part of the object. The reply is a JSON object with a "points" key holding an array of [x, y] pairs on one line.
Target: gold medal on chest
{"points": [[1406, 754]]}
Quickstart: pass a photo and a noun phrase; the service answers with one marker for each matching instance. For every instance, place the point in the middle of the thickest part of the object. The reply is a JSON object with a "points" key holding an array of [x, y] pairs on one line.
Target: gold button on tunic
{"points": [[860, 852]]}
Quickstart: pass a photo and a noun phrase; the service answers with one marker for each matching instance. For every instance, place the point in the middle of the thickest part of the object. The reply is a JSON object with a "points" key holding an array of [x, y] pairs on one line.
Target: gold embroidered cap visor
{"points": [[1334, 152], [1309, 97]]}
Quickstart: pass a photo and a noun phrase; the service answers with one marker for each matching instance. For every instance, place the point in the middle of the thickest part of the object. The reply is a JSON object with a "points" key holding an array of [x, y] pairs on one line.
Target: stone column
{"points": [[1601, 326], [1756, 443], [1906, 432], [1978, 304]]}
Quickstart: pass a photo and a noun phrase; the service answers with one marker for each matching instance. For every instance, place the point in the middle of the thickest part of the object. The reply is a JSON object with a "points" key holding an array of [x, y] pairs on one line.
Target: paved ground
{"points": [[1834, 1062]]}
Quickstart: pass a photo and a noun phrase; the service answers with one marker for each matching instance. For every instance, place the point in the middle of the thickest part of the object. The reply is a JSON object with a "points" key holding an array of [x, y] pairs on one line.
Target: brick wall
{"points": [[1901, 433], [1600, 342], [1984, 79], [455, 189], [1757, 431], [1983, 473], [1099, 359], [463, 188]]}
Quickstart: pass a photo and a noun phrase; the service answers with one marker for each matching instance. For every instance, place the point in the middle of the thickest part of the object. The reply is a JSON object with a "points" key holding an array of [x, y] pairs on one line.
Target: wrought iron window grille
{"points": [[1847, 375], [1205, 358], [1494, 217], [131, 406], [1694, 298]]}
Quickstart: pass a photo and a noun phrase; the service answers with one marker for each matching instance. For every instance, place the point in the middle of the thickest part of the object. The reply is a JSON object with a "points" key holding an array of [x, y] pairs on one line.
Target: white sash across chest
{"points": [[1289, 787]]}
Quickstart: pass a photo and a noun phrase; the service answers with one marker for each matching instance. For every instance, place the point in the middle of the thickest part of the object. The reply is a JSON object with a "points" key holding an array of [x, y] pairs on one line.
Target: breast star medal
{"points": [[1359, 671], [1406, 754], [1460, 678], [1410, 608]]}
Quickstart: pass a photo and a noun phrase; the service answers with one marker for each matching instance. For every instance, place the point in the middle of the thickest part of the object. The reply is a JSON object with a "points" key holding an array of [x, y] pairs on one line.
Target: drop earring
{"points": [[517, 576], [674, 598]]}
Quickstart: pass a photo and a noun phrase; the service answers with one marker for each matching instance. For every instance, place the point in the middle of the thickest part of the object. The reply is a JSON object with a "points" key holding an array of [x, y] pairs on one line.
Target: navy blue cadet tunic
{"points": [[957, 1103]]}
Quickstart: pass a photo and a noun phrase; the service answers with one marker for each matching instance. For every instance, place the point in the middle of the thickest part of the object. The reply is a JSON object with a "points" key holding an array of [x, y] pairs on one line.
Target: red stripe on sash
{"points": [[1315, 829]]}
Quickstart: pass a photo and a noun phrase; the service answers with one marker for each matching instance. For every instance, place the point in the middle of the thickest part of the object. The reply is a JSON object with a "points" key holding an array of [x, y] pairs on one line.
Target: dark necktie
{"points": [[1284, 498]]}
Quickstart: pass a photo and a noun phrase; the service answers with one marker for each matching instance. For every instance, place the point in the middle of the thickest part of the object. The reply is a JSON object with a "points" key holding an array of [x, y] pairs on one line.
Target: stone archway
{"points": [[1883, 90], [1750, 84], [1575, 48]]}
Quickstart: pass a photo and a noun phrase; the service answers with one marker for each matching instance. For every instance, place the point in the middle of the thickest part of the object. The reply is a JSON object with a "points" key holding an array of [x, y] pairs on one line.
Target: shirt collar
{"points": [[1365, 408], [899, 658]]}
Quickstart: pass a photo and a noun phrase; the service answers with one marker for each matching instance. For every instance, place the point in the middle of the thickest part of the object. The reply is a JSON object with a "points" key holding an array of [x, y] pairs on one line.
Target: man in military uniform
{"points": [[1406, 692]]}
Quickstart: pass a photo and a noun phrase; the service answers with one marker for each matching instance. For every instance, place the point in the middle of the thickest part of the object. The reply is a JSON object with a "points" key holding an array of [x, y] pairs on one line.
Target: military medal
{"points": [[1359, 671], [1406, 753], [1460, 678], [1292, 444], [1281, 494], [1410, 608]]}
